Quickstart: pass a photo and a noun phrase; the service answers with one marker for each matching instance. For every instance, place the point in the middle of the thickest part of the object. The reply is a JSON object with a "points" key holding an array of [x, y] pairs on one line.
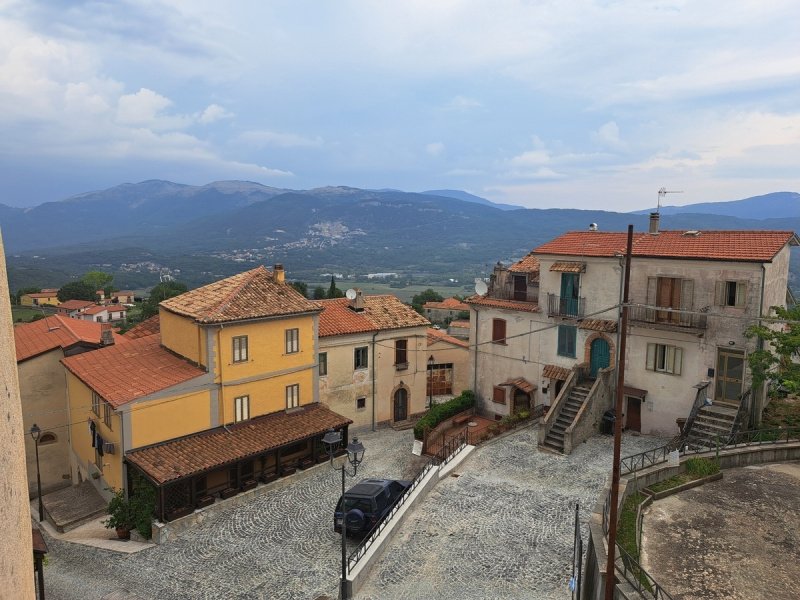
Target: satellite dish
{"points": [[350, 294], [480, 287]]}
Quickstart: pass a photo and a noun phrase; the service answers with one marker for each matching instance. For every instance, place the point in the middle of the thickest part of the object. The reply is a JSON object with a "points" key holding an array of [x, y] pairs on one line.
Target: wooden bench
{"points": [[461, 419]]}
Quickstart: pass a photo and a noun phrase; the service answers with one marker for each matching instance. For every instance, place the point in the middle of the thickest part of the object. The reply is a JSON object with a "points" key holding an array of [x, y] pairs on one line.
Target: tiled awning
{"points": [[601, 325], [568, 267], [208, 450], [521, 383], [555, 372], [634, 392]]}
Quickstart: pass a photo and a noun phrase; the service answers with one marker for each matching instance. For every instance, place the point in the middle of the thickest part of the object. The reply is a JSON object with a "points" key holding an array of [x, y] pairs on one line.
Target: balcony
{"points": [[559, 306], [666, 318], [530, 295]]}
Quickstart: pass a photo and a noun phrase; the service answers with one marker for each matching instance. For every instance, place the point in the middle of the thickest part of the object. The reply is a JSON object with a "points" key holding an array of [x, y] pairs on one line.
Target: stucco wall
{"points": [[183, 336]]}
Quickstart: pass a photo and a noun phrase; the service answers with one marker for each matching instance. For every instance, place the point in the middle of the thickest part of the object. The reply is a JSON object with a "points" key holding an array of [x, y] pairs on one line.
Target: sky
{"points": [[570, 104]]}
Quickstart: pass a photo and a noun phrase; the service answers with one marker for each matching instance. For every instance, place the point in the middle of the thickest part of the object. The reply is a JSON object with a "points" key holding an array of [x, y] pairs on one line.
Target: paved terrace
{"points": [[502, 529]]}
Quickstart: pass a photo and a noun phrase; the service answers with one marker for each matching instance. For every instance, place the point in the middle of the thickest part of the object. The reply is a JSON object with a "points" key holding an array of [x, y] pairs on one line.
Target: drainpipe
{"points": [[759, 346], [475, 361], [217, 357], [374, 335]]}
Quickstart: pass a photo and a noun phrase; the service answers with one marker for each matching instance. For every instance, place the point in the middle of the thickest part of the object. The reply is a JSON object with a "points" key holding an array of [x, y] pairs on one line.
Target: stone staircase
{"points": [[576, 399], [713, 424]]}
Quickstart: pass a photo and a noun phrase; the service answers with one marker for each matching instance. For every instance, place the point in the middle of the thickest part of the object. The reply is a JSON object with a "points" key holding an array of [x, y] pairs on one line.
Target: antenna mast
{"points": [[662, 193]]}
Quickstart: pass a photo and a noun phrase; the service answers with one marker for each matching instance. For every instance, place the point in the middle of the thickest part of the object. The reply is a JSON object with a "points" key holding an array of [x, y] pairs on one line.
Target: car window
{"points": [[383, 500], [397, 489], [362, 504]]}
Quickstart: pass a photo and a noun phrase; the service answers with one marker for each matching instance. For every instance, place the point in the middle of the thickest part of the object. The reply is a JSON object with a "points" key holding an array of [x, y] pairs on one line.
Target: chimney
{"points": [[278, 274], [358, 301], [106, 335], [654, 217]]}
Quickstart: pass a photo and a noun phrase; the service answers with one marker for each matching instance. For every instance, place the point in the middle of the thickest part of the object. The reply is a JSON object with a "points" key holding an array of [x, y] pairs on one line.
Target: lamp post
{"points": [[36, 432], [355, 454], [430, 380]]}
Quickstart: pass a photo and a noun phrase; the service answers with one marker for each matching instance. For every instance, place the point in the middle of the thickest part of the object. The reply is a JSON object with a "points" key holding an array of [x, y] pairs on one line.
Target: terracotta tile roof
{"points": [[74, 305], [521, 383], [460, 323], [41, 294], [447, 304], [629, 390], [741, 246], [380, 313], [253, 294], [33, 339], [127, 371], [529, 264], [602, 325], [216, 448], [147, 327], [99, 308], [555, 372], [507, 304], [437, 335], [568, 267]]}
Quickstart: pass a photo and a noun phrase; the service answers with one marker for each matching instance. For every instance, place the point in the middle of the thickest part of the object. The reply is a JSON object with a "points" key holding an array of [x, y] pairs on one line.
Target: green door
{"points": [[570, 283], [600, 356]]}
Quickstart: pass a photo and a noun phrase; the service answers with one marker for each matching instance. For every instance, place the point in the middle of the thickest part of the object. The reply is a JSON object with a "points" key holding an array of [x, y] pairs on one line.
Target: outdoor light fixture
{"points": [[355, 455], [36, 433]]}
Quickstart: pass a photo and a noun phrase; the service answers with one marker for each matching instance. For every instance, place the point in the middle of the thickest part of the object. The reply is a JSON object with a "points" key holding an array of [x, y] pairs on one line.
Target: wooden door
{"points": [[599, 356], [401, 405], [730, 372], [633, 418], [520, 287]]}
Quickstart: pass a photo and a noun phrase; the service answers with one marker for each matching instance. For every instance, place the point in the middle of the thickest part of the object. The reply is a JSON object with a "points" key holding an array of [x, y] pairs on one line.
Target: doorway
{"points": [[730, 374], [599, 356], [633, 418], [401, 405]]}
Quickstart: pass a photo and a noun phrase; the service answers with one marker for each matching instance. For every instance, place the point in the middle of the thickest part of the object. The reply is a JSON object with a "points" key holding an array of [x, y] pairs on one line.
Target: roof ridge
{"points": [[225, 302], [63, 323]]}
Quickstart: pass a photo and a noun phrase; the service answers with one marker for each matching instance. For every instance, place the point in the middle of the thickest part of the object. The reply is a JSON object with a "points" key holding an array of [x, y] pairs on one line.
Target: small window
{"points": [[567, 336], [293, 395], [499, 331], [47, 438], [499, 395], [361, 403], [96, 400], [107, 414], [292, 341], [731, 293], [664, 359], [361, 357], [401, 354], [322, 360], [241, 408], [240, 353]]}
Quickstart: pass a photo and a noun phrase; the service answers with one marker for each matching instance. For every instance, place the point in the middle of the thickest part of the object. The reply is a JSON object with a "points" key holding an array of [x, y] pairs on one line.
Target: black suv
{"points": [[367, 503]]}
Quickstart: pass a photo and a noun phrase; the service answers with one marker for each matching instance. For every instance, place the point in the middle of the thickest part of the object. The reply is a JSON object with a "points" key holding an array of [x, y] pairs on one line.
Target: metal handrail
{"points": [[699, 401], [640, 579], [743, 412]]}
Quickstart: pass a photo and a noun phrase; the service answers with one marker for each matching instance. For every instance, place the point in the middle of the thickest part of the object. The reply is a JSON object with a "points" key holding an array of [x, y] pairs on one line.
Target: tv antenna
{"points": [[662, 193]]}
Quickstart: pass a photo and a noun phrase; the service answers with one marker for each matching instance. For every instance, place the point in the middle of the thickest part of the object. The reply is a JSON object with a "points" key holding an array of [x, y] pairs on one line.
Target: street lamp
{"points": [[355, 454], [430, 380], [36, 432]]}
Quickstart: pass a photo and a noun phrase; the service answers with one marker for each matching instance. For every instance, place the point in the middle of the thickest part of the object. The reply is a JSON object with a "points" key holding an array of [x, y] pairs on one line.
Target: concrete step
{"points": [[717, 420], [546, 445]]}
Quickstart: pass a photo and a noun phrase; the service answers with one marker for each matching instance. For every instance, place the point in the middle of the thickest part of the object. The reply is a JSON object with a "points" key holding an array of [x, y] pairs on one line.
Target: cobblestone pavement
{"points": [[502, 529]]}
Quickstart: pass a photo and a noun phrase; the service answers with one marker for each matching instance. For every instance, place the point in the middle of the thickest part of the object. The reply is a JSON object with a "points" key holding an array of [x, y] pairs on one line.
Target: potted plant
{"points": [[119, 515]]}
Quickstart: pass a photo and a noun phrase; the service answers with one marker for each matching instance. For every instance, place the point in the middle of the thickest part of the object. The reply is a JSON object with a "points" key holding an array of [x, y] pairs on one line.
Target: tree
{"points": [[779, 350], [300, 287], [319, 293], [428, 295], [333, 291], [77, 290], [98, 279], [159, 293]]}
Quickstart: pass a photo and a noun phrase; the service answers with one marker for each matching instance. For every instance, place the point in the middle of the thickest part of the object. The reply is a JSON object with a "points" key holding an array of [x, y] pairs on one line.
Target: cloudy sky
{"points": [[577, 103]]}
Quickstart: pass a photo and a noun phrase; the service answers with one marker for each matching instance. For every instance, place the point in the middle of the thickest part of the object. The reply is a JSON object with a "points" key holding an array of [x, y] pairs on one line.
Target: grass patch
{"points": [[626, 530], [23, 314], [696, 468]]}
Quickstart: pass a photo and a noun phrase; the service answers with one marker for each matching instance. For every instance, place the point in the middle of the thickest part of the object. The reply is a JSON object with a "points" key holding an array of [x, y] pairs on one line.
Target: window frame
{"points": [[292, 340], [499, 390], [240, 349], [107, 414], [361, 403], [360, 358], [664, 358], [567, 334], [401, 354], [731, 289], [322, 363], [241, 408], [292, 396], [498, 324], [96, 402]]}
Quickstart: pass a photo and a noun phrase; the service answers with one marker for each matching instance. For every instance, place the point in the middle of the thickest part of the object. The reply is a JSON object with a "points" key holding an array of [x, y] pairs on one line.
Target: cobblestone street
{"points": [[502, 529]]}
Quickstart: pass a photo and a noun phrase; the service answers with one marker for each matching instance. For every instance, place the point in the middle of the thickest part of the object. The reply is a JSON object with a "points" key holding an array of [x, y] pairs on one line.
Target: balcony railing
{"points": [[667, 318], [518, 295], [559, 306]]}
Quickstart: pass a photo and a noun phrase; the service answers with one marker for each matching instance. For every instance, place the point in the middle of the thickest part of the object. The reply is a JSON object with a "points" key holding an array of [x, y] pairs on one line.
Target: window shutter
{"points": [[677, 360], [651, 356], [741, 293], [669, 358], [652, 289], [687, 294], [719, 293], [498, 330]]}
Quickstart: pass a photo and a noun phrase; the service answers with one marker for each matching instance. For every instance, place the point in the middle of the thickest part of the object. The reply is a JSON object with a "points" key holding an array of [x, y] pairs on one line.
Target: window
{"points": [[48, 438], [567, 335], [107, 414], [401, 354], [292, 341], [671, 292], [240, 348], [499, 331], [241, 408], [322, 361], [731, 293], [499, 394], [293, 395], [361, 403], [664, 359], [360, 357], [96, 400]]}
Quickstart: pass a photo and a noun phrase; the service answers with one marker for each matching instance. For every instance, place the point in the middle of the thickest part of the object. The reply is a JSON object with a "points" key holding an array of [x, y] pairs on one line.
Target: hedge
{"points": [[443, 411]]}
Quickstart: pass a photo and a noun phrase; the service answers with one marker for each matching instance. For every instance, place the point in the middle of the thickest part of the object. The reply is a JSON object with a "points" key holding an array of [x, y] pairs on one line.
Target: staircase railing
{"points": [[699, 402], [743, 412], [546, 424]]}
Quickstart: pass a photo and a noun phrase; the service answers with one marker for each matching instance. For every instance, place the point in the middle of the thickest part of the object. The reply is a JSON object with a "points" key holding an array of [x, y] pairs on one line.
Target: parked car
{"points": [[367, 503]]}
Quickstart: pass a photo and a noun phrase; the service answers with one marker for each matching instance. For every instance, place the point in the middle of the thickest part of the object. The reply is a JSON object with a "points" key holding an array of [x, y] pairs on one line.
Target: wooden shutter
{"points": [[719, 293], [677, 360], [498, 330], [687, 295], [499, 395], [741, 293], [651, 357]]}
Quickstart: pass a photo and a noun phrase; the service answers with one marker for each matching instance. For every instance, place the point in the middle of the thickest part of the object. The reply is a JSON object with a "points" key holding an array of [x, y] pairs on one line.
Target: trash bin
{"points": [[607, 424]]}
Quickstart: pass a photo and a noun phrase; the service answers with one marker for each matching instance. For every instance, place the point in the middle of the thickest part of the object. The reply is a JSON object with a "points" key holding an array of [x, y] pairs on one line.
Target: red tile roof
{"points": [[555, 372], [380, 313], [437, 335], [41, 294], [568, 267], [602, 325], [739, 246], [507, 304], [33, 339], [74, 305], [147, 327], [216, 448], [447, 304], [253, 294], [460, 323], [130, 370], [529, 264], [99, 308], [521, 383]]}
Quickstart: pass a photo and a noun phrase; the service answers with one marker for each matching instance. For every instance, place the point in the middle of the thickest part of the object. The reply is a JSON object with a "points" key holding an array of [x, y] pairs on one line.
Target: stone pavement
{"points": [[502, 529]]}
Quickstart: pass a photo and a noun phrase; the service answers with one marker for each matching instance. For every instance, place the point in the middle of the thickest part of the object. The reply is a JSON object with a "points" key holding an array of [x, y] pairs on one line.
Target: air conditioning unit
{"points": [[108, 447]]}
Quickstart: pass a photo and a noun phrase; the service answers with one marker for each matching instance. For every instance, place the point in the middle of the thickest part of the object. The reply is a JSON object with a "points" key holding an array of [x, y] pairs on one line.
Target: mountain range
{"points": [[147, 230]]}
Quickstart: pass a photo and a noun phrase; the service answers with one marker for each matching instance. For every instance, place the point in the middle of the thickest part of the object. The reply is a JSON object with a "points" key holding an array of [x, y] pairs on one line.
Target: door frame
{"points": [[628, 412], [718, 375], [591, 353], [397, 390]]}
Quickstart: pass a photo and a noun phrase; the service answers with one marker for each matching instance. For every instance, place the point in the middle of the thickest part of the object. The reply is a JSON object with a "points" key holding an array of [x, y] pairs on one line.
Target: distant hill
{"points": [[467, 197], [774, 205]]}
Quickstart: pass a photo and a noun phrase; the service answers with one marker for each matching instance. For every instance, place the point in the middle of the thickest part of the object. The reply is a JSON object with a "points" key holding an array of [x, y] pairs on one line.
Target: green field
{"points": [[23, 314], [405, 293]]}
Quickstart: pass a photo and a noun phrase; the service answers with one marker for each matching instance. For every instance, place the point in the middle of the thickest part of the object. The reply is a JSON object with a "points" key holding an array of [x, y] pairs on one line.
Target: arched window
{"points": [[48, 438]]}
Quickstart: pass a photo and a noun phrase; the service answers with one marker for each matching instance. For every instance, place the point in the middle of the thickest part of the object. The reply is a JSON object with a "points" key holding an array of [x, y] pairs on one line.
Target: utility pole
{"points": [[623, 337]]}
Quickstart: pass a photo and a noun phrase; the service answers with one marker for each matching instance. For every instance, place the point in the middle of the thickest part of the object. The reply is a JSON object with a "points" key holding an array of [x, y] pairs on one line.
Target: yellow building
{"points": [[48, 296], [225, 395], [449, 368]]}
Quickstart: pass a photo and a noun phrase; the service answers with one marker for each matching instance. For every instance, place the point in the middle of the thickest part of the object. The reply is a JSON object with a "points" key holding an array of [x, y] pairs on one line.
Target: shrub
{"points": [[443, 411], [523, 415], [701, 467]]}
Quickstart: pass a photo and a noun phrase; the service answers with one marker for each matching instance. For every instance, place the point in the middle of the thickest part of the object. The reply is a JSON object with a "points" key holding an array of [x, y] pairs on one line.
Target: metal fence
{"points": [[633, 573]]}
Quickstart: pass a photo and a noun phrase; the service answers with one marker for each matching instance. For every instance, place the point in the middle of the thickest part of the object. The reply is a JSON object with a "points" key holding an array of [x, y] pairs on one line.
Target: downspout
{"points": [[759, 346], [217, 355], [475, 360], [374, 335]]}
